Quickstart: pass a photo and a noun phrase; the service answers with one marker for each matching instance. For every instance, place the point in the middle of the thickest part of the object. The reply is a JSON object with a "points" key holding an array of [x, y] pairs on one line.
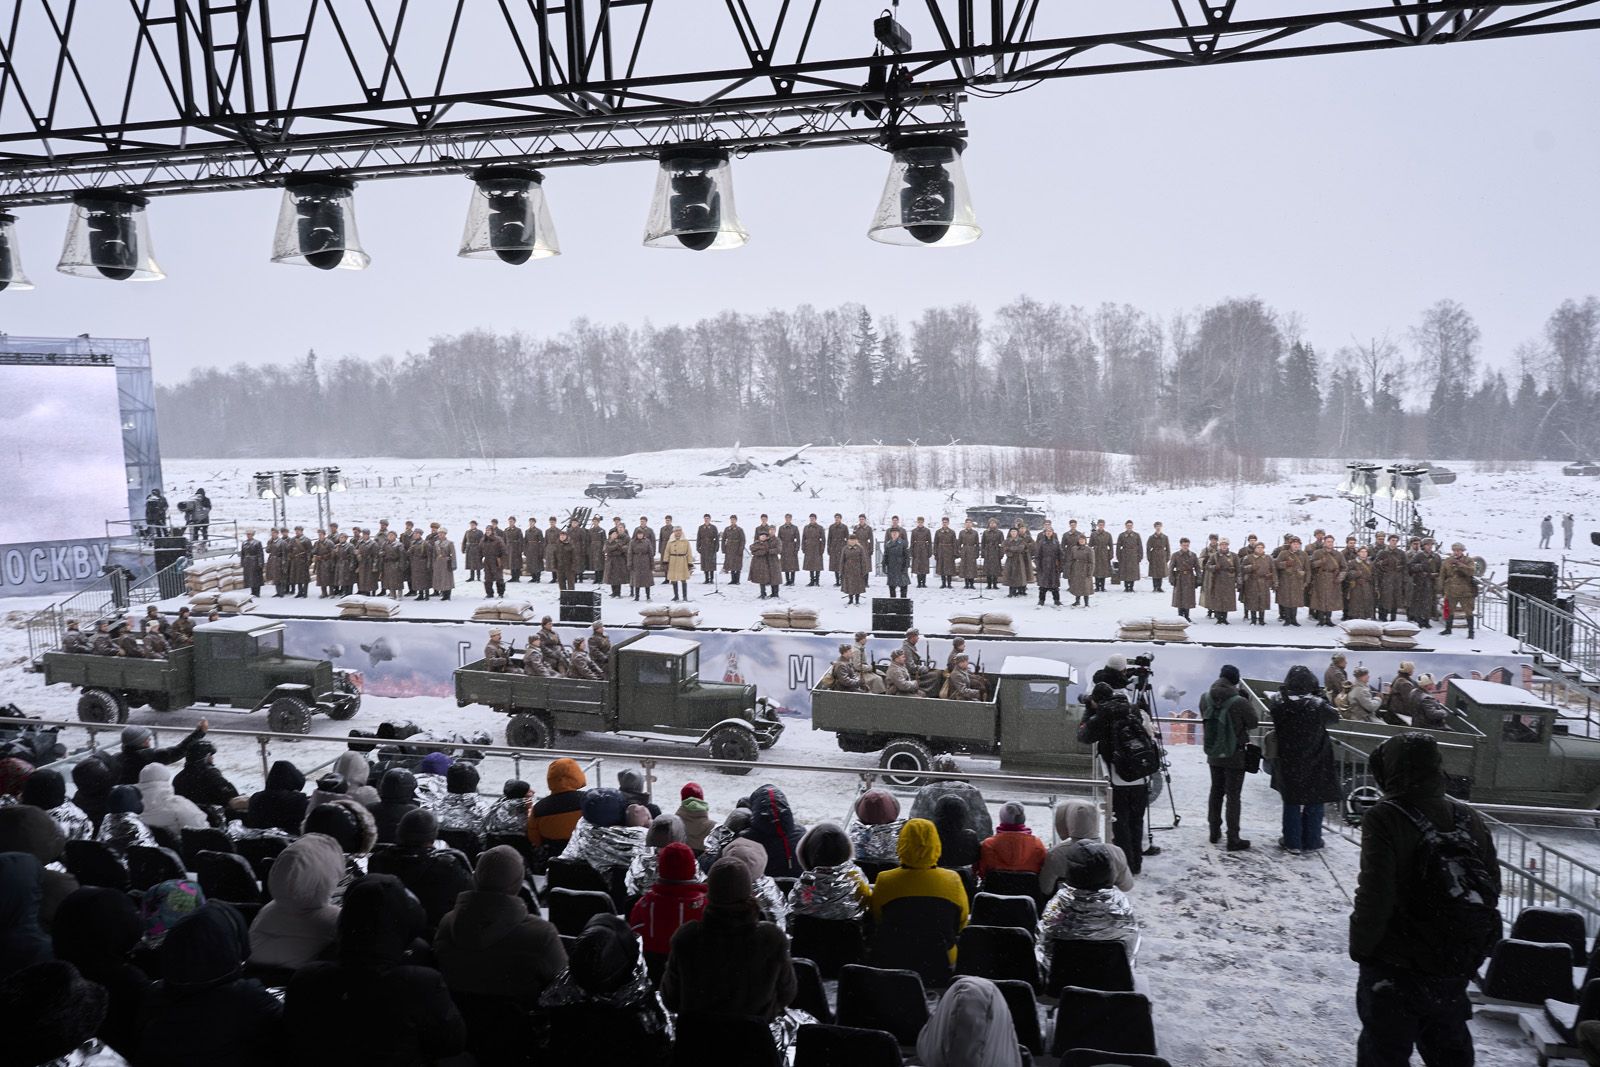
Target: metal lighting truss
{"points": [[171, 96]]}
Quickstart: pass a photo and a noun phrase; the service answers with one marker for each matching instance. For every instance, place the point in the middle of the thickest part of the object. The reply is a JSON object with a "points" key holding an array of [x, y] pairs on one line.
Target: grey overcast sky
{"points": [[1352, 191]]}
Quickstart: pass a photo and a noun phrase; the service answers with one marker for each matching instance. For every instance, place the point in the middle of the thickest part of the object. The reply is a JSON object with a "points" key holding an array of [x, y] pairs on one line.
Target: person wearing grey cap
{"points": [[138, 751]]}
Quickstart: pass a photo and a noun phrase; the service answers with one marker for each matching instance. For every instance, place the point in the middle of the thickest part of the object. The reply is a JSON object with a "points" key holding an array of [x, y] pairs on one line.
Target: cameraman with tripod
{"points": [[1127, 741]]}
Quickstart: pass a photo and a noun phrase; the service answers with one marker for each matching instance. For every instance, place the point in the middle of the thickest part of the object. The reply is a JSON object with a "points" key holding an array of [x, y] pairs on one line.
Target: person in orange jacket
{"points": [[1013, 846], [555, 814]]}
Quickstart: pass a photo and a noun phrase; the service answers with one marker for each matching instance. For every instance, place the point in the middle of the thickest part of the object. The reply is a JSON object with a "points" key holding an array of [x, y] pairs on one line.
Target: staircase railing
{"points": [[1535, 874], [106, 597], [1566, 644]]}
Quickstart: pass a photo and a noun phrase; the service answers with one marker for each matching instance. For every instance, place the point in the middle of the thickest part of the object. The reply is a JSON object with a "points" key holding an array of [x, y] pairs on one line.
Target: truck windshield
{"points": [[655, 671], [691, 666], [270, 644]]}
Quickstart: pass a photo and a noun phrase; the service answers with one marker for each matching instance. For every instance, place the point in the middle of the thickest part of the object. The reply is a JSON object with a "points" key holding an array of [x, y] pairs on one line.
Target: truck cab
{"points": [[1038, 725], [1529, 758], [661, 690], [240, 660]]}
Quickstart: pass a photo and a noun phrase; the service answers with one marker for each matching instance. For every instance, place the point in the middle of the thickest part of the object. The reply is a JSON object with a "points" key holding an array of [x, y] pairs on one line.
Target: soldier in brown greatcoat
{"points": [[649, 532], [513, 539], [300, 562], [616, 561], [563, 557], [862, 532], [393, 559], [419, 554], [838, 534], [706, 540], [994, 546], [1100, 541], [1080, 570], [1292, 570], [853, 570], [369, 565], [788, 549], [1259, 578], [813, 546], [1458, 581], [322, 560], [1015, 567], [1047, 559], [348, 562], [552, 535], [252, 557], [664, 536], [494, 558], [472, 550], [1207, 554], [968, 548], [1358, 587], [1157, 555], [1184, 570], [1327, 567], [944, 552], [1389, 577], [533, 550], [732, 546], [921, 546], [442, 576], [594, 550], [1224, 582], [762, 527], [1130, 554], [642, 562], [764, 563]]}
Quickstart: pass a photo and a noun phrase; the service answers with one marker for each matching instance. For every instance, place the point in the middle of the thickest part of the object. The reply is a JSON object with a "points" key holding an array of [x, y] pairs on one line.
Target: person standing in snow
{"points": [[1566, 531]]}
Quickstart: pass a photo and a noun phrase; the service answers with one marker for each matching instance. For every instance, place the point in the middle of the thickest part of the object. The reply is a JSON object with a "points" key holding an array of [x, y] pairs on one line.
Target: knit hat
{"points": [[824, 845], [332, 782], [748, 854], [45, 788], [691, 789], [164, 904], [48, 1010], [198, 752], [1230, 673], [1116, 662], [675, 863], [604, 807], [418, 829], [434, 763], [630, 781], [515, 789], [500, 870], [126, 799], [729, 883], [664, 830], [605, 955], [461, 778], [135, 736], [636, 815], [14, 775], [1013, 814], [1088, 865], [876, 807]]}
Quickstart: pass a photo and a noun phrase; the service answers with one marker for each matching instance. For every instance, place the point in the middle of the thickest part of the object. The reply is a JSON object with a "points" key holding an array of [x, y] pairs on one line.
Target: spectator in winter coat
{"points": [[977, 810], [1304, 773], [163, 808], [631, 783], [329, 787], [768, 897], [1013, 847], [397, 794], [432, 785], [874, 827], [163, 906], [1228, 719], [832, 886], [301, 921], [602, 838], [203, 1012], [280, 805], [435, 875], [919, 887], [139, 751], [14, 775], [28, 830], [970, 1027], [92, 779], [23, 940], [50, 1015], [1079, 820], [47, 791], [725, 833], [356, 771], [373, 978], [1408, 992], [348, 823], [959, 844], [509, 814], [97, 933], [772, 826], [489, 936], [201, 782], [645, 868], [1089, 907], [602, 1008], [462, 808], [695, 814], [676, 897], [122, 828], [729, 962], [555, 814]]}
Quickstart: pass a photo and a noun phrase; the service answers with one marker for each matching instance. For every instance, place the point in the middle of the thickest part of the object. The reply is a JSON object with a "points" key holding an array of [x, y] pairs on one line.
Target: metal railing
{"points": [[106, 597], [1566, 645], [1536, 874]]}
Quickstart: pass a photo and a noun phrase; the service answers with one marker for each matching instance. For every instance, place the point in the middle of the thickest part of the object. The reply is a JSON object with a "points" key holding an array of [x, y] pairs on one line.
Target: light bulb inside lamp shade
{"points": [[317, 225], [925, 199], [12, 278], [693, 202], [108, 236], [508, 218]]}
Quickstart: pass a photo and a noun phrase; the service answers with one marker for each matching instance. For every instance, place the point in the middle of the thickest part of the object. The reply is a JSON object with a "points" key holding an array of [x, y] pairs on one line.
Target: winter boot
{"points": [[647, 594], [1055, 594], [1216, 833], [1449, 626], [1470, 633], [1238, 844]]}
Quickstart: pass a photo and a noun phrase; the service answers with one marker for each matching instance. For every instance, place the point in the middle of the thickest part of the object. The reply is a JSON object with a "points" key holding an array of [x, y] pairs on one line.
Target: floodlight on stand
{"points": [[266, 485], [291, 483], [108, 236], [317, 224], [313, 481], [335, 480], [693, 202], [925, 198], [508, 218], [1361, 479], [11, 274]]}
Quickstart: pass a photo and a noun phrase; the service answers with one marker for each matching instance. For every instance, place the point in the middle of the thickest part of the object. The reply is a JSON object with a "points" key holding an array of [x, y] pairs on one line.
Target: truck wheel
{"points": [[526, 730], [289, 715], [903, 758], [342, 712], [732, 743], [100, 705], [158, 701]]}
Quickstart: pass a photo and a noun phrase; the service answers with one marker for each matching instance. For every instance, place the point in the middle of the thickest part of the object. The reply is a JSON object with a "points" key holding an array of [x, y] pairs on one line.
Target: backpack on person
{"points": [[1134, 754], [1456, 891], [1221, 741]]}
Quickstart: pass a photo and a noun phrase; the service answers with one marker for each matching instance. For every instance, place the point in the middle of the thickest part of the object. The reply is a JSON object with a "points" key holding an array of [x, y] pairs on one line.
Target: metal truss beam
{"points": [[169, 96]]}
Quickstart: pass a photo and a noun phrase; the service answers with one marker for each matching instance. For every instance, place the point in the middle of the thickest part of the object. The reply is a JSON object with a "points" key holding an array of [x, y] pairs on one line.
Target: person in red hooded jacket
{"points": [[677, 897]]}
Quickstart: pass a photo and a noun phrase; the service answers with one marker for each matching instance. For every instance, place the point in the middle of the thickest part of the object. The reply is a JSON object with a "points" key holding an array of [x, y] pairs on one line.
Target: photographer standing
{"points": [[1227, 718], [155, 514], [1124, 738]]}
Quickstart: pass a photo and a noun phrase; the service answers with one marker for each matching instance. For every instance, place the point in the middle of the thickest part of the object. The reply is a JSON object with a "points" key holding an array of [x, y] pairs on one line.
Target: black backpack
{"points": [[1456, 899], [1134, 754]]}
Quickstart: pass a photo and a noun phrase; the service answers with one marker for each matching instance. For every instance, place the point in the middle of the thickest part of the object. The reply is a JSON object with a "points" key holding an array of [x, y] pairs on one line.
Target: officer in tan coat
{"points": [[1458, 582]]}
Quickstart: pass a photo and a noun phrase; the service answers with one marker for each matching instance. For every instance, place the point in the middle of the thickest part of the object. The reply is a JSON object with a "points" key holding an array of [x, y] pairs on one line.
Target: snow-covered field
{"points": [[1273, 924]]}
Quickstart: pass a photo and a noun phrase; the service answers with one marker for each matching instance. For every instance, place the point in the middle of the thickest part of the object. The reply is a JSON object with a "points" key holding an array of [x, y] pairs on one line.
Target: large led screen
{"points": [[61, 466]]}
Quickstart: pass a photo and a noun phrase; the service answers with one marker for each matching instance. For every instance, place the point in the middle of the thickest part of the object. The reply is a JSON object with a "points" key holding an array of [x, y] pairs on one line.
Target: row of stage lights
{"points": [[275, 485], [1396, 482], [925, 201]]}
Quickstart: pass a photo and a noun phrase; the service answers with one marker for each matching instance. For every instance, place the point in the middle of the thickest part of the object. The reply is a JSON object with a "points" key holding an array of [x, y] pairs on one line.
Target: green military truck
{"points": [[236, 662], [1027, 723], [652, 691], [1503, 746]]}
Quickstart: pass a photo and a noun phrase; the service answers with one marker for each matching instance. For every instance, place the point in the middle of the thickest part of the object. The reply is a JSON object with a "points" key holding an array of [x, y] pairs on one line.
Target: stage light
{"points": [[11, 274], [313, 481], [108, 236], [291, 483], [317, 224], [1410, 483], [267, 486], [335, 480], [693, 202], [925, 198], [508, 218], [1361, 479]]}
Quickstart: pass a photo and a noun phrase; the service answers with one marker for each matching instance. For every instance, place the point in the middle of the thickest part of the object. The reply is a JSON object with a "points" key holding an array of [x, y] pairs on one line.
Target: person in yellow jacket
{"points": [[680, 563], [919, 891]]}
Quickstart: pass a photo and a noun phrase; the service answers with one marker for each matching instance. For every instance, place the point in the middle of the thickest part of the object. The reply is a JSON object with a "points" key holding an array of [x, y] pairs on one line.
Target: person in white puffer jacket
{"points": [[163, 808]]}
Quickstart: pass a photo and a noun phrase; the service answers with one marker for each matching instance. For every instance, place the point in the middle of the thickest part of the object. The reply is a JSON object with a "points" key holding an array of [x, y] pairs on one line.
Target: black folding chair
{"points": [[571, 909], [811, 997], [871, 998], [1089, 965], [997, 953], [148, 866], [1093, 1018], [745, 1040], [992, 909], [820, 1045], [92, 863], [205, 839], [831, 943]]}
